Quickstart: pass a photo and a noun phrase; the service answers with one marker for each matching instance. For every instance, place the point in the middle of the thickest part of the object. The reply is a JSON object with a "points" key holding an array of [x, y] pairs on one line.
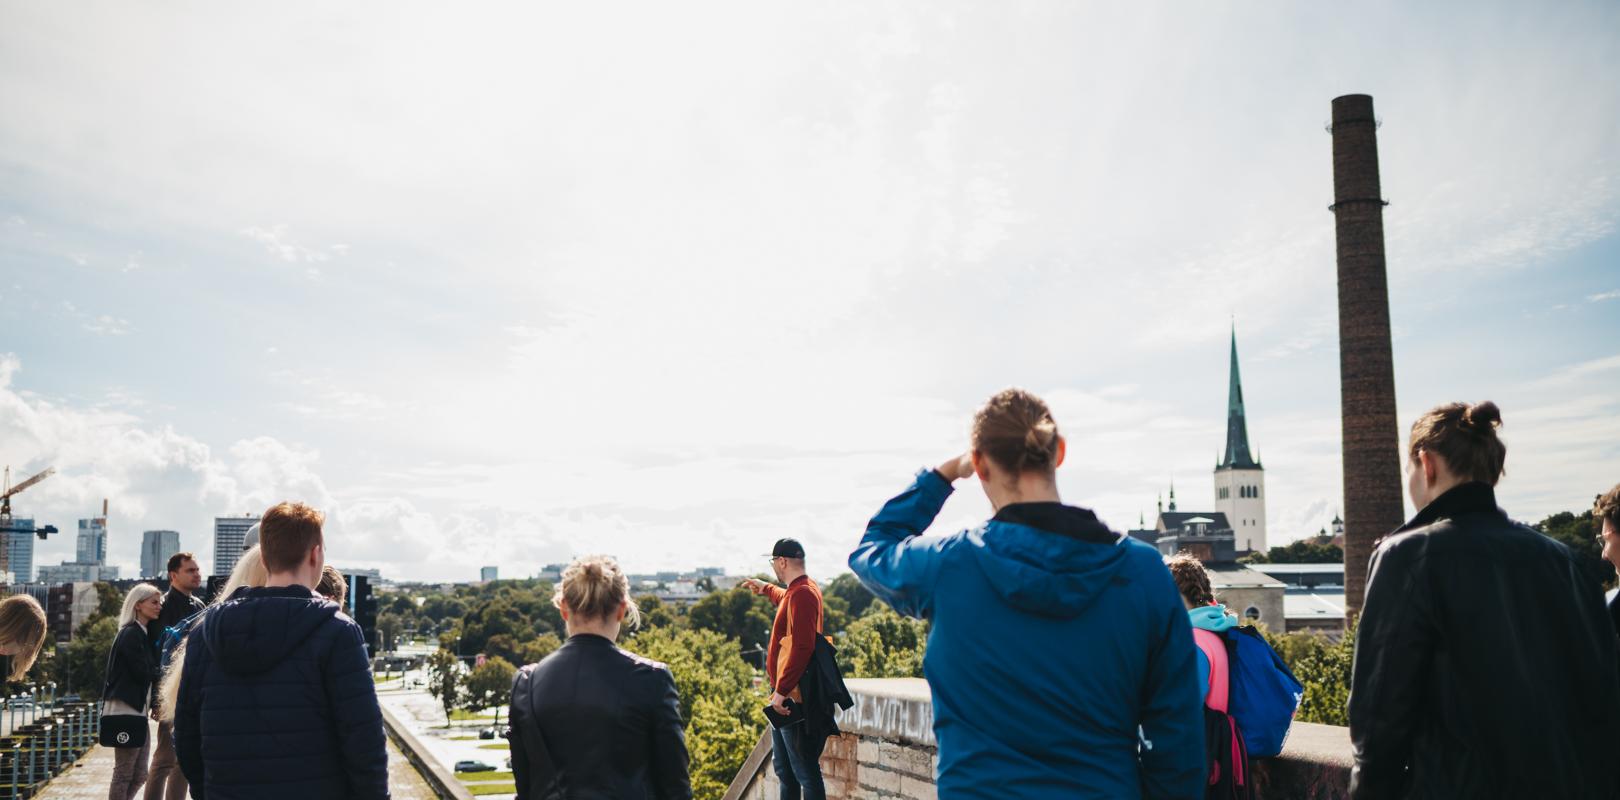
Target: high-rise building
{"points": [[156, 548], [228, 535], [92, 541], [20, 550], [1240, 480], [488, 574]]}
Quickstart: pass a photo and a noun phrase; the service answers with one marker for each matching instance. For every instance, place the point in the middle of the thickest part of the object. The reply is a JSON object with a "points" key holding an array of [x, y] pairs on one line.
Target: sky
{"points": [[507, 284]]}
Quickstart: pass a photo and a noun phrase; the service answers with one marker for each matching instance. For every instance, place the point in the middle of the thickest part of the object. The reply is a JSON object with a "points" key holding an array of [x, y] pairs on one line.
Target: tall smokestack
{"points": [[1372, 460]]}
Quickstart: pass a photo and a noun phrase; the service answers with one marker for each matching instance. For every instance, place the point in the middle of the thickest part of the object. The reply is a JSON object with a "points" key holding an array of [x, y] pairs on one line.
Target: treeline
{"points": [[715, 648]]}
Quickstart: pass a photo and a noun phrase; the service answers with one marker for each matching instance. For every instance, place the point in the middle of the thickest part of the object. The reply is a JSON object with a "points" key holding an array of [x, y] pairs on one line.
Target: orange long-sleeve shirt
{"points": [[794, 631]]}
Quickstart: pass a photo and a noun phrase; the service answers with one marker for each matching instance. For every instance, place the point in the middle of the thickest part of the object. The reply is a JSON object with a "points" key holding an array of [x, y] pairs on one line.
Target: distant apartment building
{"points": [[20, 550], [552, 572], [488, 574], [156, 548], [229, 532], [67, 606], [92, 547], [76, 572]]}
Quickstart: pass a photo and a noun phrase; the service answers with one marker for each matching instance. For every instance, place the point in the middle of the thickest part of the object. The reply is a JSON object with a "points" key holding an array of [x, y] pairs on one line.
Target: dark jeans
{"points": [[792, 772]]}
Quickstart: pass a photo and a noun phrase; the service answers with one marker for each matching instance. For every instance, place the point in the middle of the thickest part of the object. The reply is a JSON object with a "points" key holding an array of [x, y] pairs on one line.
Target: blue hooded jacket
{"points": [[1060, 657]]}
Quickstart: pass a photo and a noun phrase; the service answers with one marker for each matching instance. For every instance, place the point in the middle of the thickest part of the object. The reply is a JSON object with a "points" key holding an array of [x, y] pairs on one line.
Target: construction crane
{"points": [[9, 490], [5, 513]]}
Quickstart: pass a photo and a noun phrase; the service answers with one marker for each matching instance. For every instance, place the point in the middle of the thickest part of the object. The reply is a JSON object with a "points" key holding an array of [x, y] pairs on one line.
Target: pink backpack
{"points": [[1224, 749]]}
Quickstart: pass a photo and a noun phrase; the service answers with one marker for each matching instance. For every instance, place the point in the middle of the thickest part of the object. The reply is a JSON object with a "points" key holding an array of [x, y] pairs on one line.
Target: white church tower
{"points": [[1240, 481]]}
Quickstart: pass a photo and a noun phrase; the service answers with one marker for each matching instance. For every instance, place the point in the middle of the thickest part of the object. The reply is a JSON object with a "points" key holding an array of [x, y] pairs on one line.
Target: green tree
{"points": [[721, 707], [109, 601], [849, 587], [445, 680], [1579, 533], [1323, 669], [737, 614], [490, 685], [389, 626], [654, 614], [883, 644], [86, 658]]}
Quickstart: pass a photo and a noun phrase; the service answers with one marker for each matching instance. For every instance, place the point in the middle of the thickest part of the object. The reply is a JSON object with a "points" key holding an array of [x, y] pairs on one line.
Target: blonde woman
{"points": [[131, 670], [249, 571], [592, 720], [22, 633]]}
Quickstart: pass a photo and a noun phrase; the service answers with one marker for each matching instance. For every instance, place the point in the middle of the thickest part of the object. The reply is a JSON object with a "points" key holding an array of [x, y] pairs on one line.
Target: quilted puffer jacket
{"points": [[276, 700]]}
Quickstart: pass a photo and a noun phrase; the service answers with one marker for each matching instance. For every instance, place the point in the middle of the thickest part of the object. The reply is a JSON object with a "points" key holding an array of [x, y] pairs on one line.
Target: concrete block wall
{"points": [[887, 752]]}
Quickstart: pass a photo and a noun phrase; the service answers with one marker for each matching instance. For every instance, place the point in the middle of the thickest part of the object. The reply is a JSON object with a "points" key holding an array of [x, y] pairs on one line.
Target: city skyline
{"points": [[483, 305]]}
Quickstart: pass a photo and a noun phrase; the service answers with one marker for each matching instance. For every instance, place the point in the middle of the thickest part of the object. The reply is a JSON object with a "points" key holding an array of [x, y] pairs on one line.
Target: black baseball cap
{"points": [[787, 548]]}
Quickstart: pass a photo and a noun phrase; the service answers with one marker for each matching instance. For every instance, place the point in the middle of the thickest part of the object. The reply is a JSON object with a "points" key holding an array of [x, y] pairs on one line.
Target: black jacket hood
{"points": [[257, 627]]}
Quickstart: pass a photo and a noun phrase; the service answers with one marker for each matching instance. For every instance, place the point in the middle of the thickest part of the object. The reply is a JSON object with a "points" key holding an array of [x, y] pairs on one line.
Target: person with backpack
{"points": [[1485, 663], [164, 781], [1227, 754], [131, 671], [1059, 658], [249, 571]]}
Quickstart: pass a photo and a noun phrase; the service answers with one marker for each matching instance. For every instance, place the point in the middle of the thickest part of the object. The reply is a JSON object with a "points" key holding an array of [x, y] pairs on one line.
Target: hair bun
{"points": [[1482, 417]]}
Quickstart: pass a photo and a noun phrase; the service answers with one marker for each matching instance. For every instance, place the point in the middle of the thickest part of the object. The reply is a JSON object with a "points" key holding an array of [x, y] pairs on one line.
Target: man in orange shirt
{"points": [[793, 641]]}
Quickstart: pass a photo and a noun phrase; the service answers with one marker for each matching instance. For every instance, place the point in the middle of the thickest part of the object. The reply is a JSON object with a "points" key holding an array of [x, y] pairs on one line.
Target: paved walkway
{"points": [[89, 778]]}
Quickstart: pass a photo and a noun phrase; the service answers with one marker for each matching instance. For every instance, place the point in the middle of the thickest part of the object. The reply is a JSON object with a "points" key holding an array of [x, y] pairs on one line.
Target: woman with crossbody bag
{"points": [[131, 671]]}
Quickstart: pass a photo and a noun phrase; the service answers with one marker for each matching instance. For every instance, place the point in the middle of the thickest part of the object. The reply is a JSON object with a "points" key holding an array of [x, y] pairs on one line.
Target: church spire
{"points": [[1237, 429]]}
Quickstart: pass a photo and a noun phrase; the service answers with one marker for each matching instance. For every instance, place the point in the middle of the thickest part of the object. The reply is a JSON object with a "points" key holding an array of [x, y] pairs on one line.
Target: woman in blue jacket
{"points": [[1060, 658]]}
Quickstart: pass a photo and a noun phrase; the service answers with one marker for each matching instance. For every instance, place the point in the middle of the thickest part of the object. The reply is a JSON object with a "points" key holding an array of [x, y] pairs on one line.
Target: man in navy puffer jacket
{"points": [[276, 697]]}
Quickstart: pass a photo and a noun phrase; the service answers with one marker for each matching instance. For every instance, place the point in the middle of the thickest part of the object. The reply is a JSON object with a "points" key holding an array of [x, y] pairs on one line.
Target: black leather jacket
{"points": [[1485, 663], [131, 667], [593, 721]]}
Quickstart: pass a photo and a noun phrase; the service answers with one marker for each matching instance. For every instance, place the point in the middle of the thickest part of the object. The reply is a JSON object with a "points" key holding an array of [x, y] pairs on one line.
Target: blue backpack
{"points": [[1264, 695], [173, 636]]}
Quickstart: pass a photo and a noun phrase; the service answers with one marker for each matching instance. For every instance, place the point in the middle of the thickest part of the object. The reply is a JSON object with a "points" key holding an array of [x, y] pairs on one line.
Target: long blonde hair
{"points": [[249, 571], [22, 623], [136, 596]]}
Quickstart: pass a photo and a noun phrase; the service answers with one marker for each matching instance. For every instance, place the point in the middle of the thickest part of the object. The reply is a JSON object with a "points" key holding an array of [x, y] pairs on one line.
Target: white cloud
{"points": [[278, 243], [1600, 297], [108, 325]]}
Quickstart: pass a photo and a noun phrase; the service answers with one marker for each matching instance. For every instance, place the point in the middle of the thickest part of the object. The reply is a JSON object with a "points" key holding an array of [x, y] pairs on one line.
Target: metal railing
{"points": [[43, 735]]}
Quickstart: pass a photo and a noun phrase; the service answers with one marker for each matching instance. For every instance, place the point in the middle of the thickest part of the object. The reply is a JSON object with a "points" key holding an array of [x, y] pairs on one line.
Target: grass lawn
{"points": [[495, 746], [464, 738], [486, 775], [462, 714], [492, 788], [383, 678]]}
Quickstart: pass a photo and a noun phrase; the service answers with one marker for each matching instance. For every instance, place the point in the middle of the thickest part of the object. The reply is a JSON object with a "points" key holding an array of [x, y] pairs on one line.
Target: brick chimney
{"points": [[1372, 459]]}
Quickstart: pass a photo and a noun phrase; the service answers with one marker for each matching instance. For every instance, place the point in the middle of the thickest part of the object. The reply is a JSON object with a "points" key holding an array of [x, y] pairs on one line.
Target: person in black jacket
{"points": [[1485, 664], [164, 781], [131, 671], [590, 720], [1606, 516], [276, 698]]}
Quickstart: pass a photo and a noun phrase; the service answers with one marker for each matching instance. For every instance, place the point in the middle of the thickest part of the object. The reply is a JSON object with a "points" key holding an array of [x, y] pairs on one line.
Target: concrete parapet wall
{"points": [[887, 752], [440, 779]]}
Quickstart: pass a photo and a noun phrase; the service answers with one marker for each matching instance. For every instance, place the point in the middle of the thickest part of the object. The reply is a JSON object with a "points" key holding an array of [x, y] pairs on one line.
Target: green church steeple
{"points": [[1237, 429]]}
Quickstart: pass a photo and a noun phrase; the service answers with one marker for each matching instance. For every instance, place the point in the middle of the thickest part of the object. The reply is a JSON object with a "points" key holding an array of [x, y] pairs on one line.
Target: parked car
{"points": [[486, 733], [70, 698], [474, 766], [508, 762]]}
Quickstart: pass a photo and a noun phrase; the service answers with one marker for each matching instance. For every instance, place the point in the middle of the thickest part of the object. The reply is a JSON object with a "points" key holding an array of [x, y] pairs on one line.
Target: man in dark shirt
{"points": [[164, 781]]}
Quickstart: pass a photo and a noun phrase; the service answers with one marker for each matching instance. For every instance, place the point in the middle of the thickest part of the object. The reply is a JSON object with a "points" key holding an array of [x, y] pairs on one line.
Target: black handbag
{"points": [[121, 730]]}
